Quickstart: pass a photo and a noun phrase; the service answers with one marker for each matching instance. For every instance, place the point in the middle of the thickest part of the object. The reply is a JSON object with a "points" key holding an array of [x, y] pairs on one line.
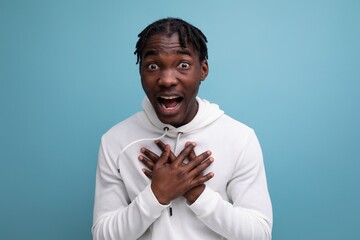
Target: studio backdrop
{"points": [[288, 69]]}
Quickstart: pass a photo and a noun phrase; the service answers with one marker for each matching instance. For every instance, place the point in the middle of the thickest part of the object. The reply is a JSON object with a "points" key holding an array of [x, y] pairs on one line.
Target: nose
{"points": [[167, 78]]}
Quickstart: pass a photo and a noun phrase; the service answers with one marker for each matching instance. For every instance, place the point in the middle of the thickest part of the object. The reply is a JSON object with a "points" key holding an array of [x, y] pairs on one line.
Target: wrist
{"points": [[161, 199], [193, 194]]}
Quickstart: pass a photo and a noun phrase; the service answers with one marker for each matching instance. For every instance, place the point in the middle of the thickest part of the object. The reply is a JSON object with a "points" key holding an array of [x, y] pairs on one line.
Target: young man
{"points": [[181, 168]]}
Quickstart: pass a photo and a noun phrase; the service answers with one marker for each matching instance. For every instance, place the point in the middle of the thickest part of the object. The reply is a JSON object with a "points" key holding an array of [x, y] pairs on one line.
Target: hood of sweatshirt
{"points": [[207, 114]]}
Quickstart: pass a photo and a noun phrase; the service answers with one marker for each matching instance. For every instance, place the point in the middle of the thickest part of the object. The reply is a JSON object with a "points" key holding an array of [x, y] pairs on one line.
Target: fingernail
{"points": [[140, 158], [142, 150], [208, 152]]}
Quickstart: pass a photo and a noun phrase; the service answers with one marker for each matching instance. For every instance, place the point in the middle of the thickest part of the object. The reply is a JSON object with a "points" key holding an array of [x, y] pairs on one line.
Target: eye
{"points": [[153, 66], [184, 65]]}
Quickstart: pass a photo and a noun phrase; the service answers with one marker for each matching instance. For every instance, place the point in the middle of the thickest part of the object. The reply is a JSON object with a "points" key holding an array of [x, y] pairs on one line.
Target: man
{"points": [[180, 169]]}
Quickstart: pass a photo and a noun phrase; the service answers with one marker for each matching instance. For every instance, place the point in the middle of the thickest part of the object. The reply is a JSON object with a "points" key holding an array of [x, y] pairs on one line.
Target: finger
{"points": [[202, 179], [164, 158], [184, 154], [147, 173], [201, 167], [147, 162], [192, 154], [151, 155], [162, 146], [198, 160]]}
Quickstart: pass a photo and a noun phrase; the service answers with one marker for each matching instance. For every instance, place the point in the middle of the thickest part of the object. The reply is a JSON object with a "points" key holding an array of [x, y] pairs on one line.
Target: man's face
{"points": [[170, 77]]}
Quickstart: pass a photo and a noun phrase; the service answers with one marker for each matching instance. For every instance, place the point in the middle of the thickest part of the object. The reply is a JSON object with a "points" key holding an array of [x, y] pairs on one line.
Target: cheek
{"points": [[149, 86], [145, 80], [145, 85], [192, 91]]}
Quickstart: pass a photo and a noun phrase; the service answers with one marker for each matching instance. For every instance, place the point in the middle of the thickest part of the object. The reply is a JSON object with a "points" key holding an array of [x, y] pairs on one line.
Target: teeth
{"points": [[169, 108], [169, 97]]}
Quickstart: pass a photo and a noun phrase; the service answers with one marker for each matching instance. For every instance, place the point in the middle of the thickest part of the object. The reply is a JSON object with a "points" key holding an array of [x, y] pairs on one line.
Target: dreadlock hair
{"points": [[187, 34]]}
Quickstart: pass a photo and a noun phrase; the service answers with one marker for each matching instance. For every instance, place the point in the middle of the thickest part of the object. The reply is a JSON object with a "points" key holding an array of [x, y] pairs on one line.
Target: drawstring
{"points": [[166, 129], [177, 141]]}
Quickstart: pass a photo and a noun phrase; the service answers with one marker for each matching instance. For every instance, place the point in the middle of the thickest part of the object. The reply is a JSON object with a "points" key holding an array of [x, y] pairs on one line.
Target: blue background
{"points": [[289, 69]]}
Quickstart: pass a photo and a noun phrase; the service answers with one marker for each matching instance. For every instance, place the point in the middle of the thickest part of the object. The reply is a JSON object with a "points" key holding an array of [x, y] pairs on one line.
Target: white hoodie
{"points": [[234, 205]]}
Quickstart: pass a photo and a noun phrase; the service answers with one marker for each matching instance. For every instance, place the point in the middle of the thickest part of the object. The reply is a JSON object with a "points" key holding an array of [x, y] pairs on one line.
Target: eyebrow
{"points": [[150, 53], [184, 52], [153, 52]]}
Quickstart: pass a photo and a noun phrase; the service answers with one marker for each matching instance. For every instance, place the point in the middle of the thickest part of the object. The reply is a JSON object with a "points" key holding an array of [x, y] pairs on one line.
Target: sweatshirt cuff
{"points": [[148, 203], [206, 203]]}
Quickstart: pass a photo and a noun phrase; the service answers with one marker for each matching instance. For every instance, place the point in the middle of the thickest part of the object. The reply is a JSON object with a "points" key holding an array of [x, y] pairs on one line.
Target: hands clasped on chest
{"points": [[172, 177]]}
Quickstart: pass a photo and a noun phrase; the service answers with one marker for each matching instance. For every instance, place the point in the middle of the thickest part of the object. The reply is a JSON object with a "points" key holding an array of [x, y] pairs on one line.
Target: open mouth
{"points": [[170, 102]]}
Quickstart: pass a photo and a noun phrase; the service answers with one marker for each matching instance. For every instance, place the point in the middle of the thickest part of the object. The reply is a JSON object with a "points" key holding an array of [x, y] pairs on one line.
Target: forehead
{"points": [[162, 43]]}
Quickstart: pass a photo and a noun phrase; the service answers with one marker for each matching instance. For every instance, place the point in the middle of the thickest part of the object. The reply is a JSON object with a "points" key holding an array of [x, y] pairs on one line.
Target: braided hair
{"points": [[187, 34]]}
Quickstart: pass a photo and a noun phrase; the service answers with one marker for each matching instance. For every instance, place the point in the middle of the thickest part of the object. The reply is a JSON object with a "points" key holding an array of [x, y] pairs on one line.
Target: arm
{"points": [[115, 217], [248, 215]]}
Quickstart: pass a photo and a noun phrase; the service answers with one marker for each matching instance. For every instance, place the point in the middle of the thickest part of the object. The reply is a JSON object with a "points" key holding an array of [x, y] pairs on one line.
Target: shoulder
{"points": [[123, 128], [235, 133], [230, 124]]}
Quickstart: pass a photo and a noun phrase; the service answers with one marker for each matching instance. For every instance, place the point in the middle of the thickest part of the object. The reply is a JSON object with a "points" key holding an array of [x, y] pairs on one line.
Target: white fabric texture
{"points": [[234, 205]]}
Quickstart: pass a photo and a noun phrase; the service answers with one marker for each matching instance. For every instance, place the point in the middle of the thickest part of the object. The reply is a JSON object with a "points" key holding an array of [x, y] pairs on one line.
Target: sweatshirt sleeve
{"points": [[248, 213], [115, 216]]}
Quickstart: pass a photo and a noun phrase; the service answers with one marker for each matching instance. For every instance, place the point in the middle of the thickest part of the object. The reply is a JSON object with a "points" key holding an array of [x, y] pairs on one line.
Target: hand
{"points": [[195, 192], [200, 163]]}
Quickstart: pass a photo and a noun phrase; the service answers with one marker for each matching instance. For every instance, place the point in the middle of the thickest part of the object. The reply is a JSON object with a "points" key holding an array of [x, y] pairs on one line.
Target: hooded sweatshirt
{"points": [[234, 205]]}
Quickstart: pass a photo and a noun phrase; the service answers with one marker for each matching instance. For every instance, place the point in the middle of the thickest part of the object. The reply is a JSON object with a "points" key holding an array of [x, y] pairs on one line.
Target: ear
{"points": [[204, 69]]}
